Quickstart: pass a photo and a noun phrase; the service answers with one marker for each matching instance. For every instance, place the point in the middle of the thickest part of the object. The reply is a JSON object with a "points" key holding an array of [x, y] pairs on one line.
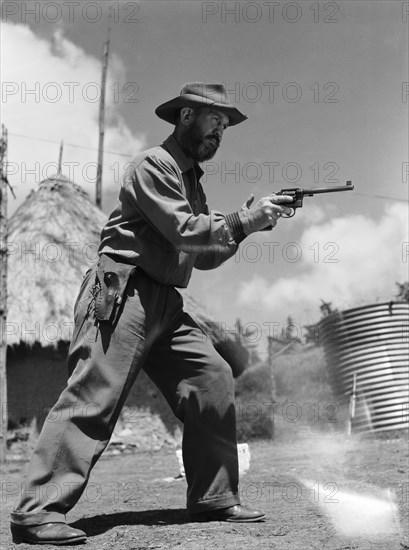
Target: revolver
{"points": [[298, 194]]}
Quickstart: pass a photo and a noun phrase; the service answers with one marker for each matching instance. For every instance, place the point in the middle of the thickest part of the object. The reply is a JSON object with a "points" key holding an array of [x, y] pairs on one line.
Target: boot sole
{"points": [[230, 520], [21, 540]]}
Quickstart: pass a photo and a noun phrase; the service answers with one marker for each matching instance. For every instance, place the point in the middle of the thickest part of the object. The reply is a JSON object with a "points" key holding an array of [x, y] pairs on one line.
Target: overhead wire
{"points": [[383, 197], [70, 144]]}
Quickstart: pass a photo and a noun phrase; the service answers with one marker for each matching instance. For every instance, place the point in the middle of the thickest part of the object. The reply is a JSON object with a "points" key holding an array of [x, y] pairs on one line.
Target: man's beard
{"points": [[197, 146]]}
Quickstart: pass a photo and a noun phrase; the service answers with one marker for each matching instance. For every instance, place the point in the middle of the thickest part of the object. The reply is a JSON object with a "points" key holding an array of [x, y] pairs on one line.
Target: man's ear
{"points": [[186, 115]]}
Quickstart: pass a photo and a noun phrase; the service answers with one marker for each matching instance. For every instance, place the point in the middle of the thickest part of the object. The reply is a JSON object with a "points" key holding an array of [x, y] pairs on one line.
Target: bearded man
{"points": [[129, 316]]}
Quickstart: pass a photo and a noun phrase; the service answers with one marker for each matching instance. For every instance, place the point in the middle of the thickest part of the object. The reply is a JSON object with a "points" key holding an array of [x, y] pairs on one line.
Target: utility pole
{"points": [[59, 169], [4, 184], [105, 54]]}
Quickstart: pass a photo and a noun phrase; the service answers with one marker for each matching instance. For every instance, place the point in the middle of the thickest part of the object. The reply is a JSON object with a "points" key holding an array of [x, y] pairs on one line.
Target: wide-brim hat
{"points": [[200, 94]]}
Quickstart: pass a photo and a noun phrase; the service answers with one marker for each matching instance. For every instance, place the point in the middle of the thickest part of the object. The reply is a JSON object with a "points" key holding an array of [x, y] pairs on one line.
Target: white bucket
{"points": [[244, 458], [243, 452]]}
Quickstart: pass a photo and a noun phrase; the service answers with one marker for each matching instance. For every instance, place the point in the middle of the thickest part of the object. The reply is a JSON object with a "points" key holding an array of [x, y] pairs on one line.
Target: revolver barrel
{"points": [[335, 189]]}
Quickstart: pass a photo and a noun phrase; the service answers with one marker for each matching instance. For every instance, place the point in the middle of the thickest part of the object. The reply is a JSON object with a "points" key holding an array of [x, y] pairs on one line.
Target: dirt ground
{"points": [[318, 492]]}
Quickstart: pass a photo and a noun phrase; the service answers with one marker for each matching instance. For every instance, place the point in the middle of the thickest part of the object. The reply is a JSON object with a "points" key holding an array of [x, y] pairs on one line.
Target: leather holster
{"points": [[111, 280]]}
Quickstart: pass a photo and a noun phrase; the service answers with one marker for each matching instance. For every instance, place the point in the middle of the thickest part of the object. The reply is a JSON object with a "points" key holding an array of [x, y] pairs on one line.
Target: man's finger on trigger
{"points": [[284, 208]]}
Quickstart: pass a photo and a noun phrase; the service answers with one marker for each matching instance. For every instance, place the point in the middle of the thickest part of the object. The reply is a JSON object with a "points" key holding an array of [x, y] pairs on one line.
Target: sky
{"points": [[325, 86]]}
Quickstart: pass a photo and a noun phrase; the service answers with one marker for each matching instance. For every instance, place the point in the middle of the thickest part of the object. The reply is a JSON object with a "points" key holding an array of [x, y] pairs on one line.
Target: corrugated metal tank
{"points": [[371, 342]]}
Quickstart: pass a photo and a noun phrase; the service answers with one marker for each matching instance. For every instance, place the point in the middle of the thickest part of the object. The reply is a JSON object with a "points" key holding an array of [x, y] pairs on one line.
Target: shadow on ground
{"points": [[96, 525]]}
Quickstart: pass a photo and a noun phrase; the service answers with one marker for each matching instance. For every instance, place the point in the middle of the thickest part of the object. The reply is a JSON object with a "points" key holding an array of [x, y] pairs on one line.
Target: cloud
{"points": [[347, 261], [50, 91]]}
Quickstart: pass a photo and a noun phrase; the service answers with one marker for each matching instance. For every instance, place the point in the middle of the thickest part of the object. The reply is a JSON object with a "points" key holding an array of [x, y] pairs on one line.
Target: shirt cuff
{"points": [[236, 227]]}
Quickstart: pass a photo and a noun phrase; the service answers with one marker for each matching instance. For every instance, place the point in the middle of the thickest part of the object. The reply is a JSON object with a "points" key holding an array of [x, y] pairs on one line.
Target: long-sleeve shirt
{"points": [[161, 221]]}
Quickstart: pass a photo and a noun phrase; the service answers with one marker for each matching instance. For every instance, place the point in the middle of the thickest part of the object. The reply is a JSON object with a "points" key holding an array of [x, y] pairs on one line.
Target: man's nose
{"points": [[219, 131]]}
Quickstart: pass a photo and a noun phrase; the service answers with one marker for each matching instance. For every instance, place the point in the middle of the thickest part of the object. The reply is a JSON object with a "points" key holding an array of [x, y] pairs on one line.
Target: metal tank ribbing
{"points": [[371, 343]]}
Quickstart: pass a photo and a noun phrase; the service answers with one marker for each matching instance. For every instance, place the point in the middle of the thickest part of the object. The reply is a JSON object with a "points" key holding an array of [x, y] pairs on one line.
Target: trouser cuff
{"points": [[36, 518], [221, 501]]}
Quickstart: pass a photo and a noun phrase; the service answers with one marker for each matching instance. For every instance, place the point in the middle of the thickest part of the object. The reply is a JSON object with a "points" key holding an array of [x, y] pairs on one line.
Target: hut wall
{"points": [[37, 375], [35, 378]]}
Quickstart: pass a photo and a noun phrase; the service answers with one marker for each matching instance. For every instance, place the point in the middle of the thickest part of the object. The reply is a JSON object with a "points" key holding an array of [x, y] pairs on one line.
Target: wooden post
{"points": [[352, 405], [273, 394], [105, 53], [3, 294]]}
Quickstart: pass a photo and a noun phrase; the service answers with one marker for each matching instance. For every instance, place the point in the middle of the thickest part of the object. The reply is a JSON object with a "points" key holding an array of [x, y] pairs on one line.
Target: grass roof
{"points": [[52, 240]]}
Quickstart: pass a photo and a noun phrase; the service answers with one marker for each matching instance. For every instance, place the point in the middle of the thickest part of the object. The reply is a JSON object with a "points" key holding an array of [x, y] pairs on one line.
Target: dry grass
{"points": [[53, 239]]}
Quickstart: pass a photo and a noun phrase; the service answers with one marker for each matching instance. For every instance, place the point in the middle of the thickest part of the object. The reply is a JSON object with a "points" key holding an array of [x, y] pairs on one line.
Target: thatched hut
{"points": [[53, 240]]}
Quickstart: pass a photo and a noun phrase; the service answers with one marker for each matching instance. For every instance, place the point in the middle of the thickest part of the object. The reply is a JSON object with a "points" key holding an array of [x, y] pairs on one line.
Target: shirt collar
{"points": [[183, 161]]}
